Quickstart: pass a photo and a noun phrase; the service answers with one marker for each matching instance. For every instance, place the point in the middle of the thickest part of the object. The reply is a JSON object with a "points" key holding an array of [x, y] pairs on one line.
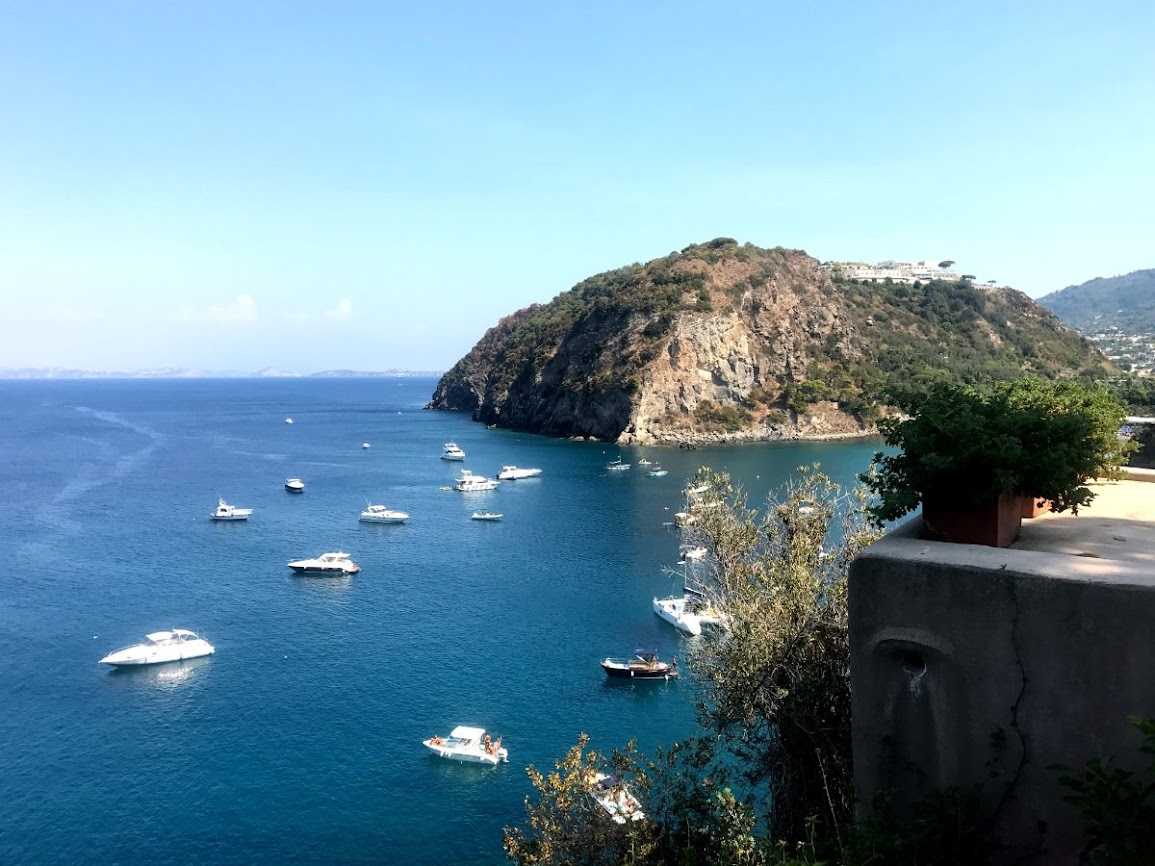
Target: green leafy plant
{"points": [[1117, 806], [1030, 437]]}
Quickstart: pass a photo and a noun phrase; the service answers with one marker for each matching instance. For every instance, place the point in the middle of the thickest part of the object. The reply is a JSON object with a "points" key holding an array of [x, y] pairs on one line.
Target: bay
{"points": [[299, 741]]}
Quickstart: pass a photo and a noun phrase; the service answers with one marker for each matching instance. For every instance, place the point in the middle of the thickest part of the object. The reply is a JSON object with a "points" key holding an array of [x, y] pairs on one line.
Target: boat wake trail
{"points": [[108, 465]]}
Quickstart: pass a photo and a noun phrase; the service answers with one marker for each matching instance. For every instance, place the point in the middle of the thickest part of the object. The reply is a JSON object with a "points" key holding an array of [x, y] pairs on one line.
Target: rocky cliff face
{"points": [[723, 342]]}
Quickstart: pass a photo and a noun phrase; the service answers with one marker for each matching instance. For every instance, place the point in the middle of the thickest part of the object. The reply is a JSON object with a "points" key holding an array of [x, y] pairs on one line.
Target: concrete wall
{"points": [[982, 668]]}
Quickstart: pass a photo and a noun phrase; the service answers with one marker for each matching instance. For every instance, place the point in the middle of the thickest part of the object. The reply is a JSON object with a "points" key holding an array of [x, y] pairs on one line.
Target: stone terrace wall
{"points": [[977, 667]]}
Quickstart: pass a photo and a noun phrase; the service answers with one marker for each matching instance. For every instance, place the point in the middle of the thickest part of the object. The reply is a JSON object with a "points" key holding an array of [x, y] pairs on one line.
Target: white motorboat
{"points": [[658, 472], [677, 611], [326, 563], [381, 514], [512, 473], [452, 452], [643, 462], [471, 745], [701, 607], [617, 465], [295, 485], [485, 515], [365, 446], [470, 483], [619, 802], [288, 420], [692, 554], [230, 512], [161, 646]]}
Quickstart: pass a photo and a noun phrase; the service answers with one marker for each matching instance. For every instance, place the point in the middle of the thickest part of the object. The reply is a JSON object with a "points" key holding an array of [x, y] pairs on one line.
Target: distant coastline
{"points": [[178, 373]]}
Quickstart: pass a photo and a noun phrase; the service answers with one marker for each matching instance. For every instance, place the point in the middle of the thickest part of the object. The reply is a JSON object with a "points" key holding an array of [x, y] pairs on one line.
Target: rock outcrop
{"points": [[723, 342]]}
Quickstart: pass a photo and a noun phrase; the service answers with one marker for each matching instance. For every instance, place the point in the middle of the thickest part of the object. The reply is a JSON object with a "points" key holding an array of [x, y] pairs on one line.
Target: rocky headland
{"points": [[724, 342]]}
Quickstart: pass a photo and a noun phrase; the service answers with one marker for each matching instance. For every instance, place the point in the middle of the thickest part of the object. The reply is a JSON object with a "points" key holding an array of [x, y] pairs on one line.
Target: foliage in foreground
{"points": [[775, 701], [776, 687], [1030, 437], [1117, 806]]}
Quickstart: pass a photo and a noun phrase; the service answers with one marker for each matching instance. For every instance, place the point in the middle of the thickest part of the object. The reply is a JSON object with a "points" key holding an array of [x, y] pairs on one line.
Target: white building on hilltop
{"points": [[893, 270]]}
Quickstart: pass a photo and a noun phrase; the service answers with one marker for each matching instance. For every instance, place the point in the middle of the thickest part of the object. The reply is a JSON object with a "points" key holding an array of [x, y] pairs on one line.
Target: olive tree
{"points": [[776, 682]]}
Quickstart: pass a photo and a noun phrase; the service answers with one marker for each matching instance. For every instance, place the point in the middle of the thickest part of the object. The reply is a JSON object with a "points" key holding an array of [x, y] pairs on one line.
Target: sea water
{"points": [[300, 739]]}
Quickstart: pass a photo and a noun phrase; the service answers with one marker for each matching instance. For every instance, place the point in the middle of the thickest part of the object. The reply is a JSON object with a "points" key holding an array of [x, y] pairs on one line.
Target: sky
{"points": [[371, 185]]}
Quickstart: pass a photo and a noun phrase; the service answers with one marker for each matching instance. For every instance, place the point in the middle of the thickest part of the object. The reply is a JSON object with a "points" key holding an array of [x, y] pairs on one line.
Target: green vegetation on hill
{"points": [[1126, 302], [915, 334], [783, 333]]}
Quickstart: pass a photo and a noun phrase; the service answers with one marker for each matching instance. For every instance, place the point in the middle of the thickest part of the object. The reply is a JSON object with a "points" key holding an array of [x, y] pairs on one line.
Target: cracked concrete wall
{"points": [[982, 668]]}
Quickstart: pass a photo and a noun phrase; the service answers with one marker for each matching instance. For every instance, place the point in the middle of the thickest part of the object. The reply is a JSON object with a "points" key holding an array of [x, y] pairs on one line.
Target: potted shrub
{"points": [[969, 454]]}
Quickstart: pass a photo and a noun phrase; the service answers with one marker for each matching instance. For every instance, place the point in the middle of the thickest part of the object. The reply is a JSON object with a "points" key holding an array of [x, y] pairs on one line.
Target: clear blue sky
{"points": [[236, 185]]}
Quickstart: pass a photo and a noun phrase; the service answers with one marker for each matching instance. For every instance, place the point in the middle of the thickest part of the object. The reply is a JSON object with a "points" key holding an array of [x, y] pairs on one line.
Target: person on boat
{"points": [[435, 740]]}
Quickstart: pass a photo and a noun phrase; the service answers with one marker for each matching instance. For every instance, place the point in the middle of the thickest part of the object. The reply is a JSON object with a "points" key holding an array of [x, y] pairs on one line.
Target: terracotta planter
{"points": [[1033, 507], [995, 523]]}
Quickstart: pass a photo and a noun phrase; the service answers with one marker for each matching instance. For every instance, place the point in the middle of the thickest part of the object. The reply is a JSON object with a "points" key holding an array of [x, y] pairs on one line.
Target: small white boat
{"points": [[617, 465], [512, 473], [485, 515], [452, 452], [295, 485], [471, 745], [470, 483], [612, 794], [230, 512], [326, 563], [381, 514], [288, 420], [161, 646], [692, 554], [677, 611], [643, 462], [658, 472], [365, 446]]}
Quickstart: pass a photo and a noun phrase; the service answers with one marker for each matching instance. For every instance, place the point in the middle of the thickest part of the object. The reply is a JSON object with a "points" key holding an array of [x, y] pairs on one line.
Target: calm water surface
{"points": [[299, 741]]}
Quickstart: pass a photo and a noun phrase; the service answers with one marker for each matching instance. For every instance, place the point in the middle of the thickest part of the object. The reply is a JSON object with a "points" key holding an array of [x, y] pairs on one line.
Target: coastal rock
{"points": [[725, 343]]}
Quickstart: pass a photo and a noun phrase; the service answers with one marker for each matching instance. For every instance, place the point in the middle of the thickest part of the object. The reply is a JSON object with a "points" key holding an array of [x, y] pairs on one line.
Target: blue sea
{"points": [[299, 740]]}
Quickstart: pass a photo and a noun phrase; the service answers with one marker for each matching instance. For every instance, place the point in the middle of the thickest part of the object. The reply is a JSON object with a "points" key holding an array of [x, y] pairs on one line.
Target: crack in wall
{"points": [[1014, 723]]}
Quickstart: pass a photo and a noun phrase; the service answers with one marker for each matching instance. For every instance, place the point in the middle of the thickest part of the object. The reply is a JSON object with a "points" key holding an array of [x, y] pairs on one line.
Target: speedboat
{"points": [[288, 420], [470, 483], [161, 646], [381, 514], [326, 563], [295, 485], [617, 465], [692, 554], [512, 473], [452, 452], [643, 462], [230, 512], [619, 802], [485, 515], [365, 446], [471, 745], [658, 472], [643, 666], [677, 611], [705, 610]]}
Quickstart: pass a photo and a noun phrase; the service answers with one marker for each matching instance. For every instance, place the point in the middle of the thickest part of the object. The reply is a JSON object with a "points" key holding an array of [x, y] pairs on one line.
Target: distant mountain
{"points": [[727, 342], [396, 374], [180, 373], [1126, 303]]}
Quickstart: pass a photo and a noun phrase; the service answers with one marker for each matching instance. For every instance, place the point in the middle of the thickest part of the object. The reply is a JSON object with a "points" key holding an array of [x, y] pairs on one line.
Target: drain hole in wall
{"points": [[913, 663]]}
